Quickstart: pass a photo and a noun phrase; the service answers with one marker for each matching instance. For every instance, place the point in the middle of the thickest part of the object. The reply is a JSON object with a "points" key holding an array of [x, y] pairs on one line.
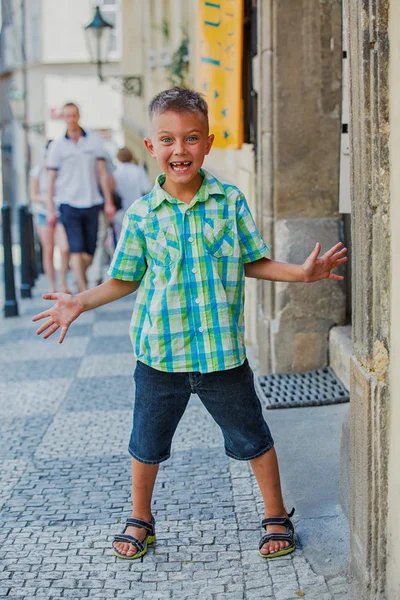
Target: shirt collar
{"points": [[83, 134], [210, 187]]}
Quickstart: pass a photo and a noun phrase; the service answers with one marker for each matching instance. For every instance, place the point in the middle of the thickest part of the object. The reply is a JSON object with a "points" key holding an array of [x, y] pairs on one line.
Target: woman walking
{"points": [[48, 235]]}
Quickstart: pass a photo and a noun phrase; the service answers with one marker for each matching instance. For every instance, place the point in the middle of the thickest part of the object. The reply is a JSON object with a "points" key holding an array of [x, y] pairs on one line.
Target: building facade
{"points": [[300, 98], [45, 63], [374, 57], [288, 165], [289, 168]]}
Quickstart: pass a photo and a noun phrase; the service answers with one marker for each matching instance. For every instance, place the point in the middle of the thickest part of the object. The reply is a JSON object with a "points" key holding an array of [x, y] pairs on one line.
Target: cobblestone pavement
{"points": [[65, 483]]}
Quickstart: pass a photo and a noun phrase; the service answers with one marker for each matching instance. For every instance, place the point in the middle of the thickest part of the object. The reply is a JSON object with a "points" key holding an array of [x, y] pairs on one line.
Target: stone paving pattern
{"points": [[65, 482]]}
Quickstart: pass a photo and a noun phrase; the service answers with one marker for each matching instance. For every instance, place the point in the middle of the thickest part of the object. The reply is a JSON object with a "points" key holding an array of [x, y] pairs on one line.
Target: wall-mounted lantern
{"points": [[98, 40]]}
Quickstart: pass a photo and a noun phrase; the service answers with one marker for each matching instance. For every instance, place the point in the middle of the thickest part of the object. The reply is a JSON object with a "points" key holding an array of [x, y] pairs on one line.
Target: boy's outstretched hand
{"points": [[320, 268], [61, 314]]}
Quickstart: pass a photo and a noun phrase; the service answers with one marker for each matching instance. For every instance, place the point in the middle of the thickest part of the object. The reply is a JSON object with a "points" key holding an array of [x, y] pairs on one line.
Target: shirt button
{"points": [[190, 239], [194, 270], [201, 329], [188, 212], [197, 301]]}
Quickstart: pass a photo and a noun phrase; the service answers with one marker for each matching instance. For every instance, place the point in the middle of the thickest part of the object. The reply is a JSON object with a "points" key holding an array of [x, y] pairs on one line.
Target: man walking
{"points": [[75, 163]]}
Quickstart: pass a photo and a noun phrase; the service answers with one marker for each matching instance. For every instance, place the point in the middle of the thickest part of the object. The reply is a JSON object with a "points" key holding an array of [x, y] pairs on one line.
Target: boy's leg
{"points": [[143, 480], [266, 471], [160, 401], [230, 398]]}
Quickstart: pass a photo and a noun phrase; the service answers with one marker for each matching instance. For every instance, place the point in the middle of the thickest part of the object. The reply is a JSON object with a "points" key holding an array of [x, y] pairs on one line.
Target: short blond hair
{"points": [[178, 99]]}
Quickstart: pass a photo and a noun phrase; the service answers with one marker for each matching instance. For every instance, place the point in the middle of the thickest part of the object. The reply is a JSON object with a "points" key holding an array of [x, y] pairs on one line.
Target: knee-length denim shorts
{"points": [[229, 396]]}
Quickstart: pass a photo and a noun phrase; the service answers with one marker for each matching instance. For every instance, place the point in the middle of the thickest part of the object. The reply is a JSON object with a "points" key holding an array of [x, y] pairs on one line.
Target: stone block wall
{"points": [[298, 175], [369, 152]]}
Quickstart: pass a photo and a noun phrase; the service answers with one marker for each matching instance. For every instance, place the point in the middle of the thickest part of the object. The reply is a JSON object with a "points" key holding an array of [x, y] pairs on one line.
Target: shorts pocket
{"points": [[219, 237], [163, 247]]}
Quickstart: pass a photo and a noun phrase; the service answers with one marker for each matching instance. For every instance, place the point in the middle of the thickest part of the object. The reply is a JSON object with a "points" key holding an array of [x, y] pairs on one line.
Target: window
{"points": [[111, 11]]}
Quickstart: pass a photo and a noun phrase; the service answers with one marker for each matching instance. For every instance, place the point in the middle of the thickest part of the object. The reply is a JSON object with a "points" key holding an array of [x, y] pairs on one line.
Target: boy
{"points": [[186, 247]]}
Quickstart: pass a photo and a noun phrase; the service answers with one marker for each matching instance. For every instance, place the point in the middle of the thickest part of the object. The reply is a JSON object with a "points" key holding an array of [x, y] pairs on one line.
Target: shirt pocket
{"points": [[163, 246], [219, 237]]}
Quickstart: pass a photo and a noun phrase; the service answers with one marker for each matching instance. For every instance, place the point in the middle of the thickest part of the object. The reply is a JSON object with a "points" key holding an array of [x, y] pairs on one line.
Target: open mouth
{"points": [[181, 166]]}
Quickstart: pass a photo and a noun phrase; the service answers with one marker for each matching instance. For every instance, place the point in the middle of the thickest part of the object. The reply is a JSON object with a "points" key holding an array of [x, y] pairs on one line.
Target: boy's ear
{"points": [[210, 141], [149, 146]]}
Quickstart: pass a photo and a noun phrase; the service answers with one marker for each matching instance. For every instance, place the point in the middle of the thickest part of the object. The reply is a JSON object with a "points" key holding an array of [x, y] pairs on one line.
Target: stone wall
{"points": [[369, 132], [298, 175]]}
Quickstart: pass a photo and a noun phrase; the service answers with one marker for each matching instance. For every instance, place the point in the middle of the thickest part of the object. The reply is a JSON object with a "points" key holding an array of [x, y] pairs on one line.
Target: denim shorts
{"points": [[41, 220], [81, 226], [229, 396]]}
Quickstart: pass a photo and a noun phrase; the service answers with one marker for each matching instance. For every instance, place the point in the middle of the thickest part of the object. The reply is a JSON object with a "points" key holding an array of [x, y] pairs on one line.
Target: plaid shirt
{"points": [[189, 311]]}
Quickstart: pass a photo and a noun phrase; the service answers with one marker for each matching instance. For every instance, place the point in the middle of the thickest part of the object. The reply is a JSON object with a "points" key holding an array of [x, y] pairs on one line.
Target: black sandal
{"points": [[141, 547], [284, 537]]}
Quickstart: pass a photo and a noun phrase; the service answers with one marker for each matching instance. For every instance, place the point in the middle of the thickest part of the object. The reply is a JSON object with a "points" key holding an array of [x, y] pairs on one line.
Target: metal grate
{"points": [[290, 390]]}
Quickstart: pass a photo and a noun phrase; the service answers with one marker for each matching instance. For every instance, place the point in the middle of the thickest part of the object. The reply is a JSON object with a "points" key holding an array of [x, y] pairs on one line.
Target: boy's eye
{"points": [[166, 140], [192, 138]]}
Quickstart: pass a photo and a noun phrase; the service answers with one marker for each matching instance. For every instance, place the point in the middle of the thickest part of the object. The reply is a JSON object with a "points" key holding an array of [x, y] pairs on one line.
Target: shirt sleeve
{"points": [[252, 245], [53, 161], [98, 147], [128, 263]]}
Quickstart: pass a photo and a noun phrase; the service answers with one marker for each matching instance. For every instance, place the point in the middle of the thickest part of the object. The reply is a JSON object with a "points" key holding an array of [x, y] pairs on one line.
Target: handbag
{"points": [[117, 201]]}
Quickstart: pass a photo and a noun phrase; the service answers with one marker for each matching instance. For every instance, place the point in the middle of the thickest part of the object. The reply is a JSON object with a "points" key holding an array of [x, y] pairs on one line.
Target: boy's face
{"points": [[179, 142]]}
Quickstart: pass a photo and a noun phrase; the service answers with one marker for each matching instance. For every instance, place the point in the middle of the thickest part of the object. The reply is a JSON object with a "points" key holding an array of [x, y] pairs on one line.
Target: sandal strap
{"points": [[274, 521], [141, 524], [284, 537], [278, 521], [124, 537], [284, 521]]}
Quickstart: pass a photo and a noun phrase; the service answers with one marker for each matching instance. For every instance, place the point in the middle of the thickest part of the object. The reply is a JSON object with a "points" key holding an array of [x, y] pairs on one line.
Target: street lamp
{"points": [[98, 34]]}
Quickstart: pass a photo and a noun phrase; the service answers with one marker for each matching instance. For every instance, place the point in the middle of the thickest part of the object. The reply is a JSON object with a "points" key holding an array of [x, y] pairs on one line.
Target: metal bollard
{"points": [[32, 253], [26, 272], [39, 256], [10, 304]]}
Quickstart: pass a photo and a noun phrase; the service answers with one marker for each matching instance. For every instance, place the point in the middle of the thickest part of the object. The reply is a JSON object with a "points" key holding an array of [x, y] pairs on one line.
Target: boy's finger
{"points": [[50, 296], [52, 330], [332, 251], [316, 251], [336, 277], [41, 315], [341, 253], [62, 334], [340, 262], [45, 326]]}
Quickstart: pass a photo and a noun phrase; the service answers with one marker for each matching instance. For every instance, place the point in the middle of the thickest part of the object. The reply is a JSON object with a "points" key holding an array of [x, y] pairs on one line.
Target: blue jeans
{"points": [[229, 396]]}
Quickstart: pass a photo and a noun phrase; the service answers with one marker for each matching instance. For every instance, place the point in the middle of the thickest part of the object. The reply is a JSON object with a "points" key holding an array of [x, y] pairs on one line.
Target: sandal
{"points": [[141, 547], [285, 537]]}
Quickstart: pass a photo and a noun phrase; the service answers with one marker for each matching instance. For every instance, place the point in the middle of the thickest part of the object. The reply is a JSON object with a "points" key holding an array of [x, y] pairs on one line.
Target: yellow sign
{"points": [[220, 68]]}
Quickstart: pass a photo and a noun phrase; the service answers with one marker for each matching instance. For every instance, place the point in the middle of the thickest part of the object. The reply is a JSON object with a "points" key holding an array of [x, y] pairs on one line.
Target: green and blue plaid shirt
{"points": [[189, 311]]}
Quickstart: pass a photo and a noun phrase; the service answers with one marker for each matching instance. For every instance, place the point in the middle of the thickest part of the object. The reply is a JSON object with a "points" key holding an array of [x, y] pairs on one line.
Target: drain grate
{"points": [[290, 390]]}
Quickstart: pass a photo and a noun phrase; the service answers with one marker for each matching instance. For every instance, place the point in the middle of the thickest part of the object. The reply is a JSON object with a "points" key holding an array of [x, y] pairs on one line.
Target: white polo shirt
{"points": [[75, 163]]}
